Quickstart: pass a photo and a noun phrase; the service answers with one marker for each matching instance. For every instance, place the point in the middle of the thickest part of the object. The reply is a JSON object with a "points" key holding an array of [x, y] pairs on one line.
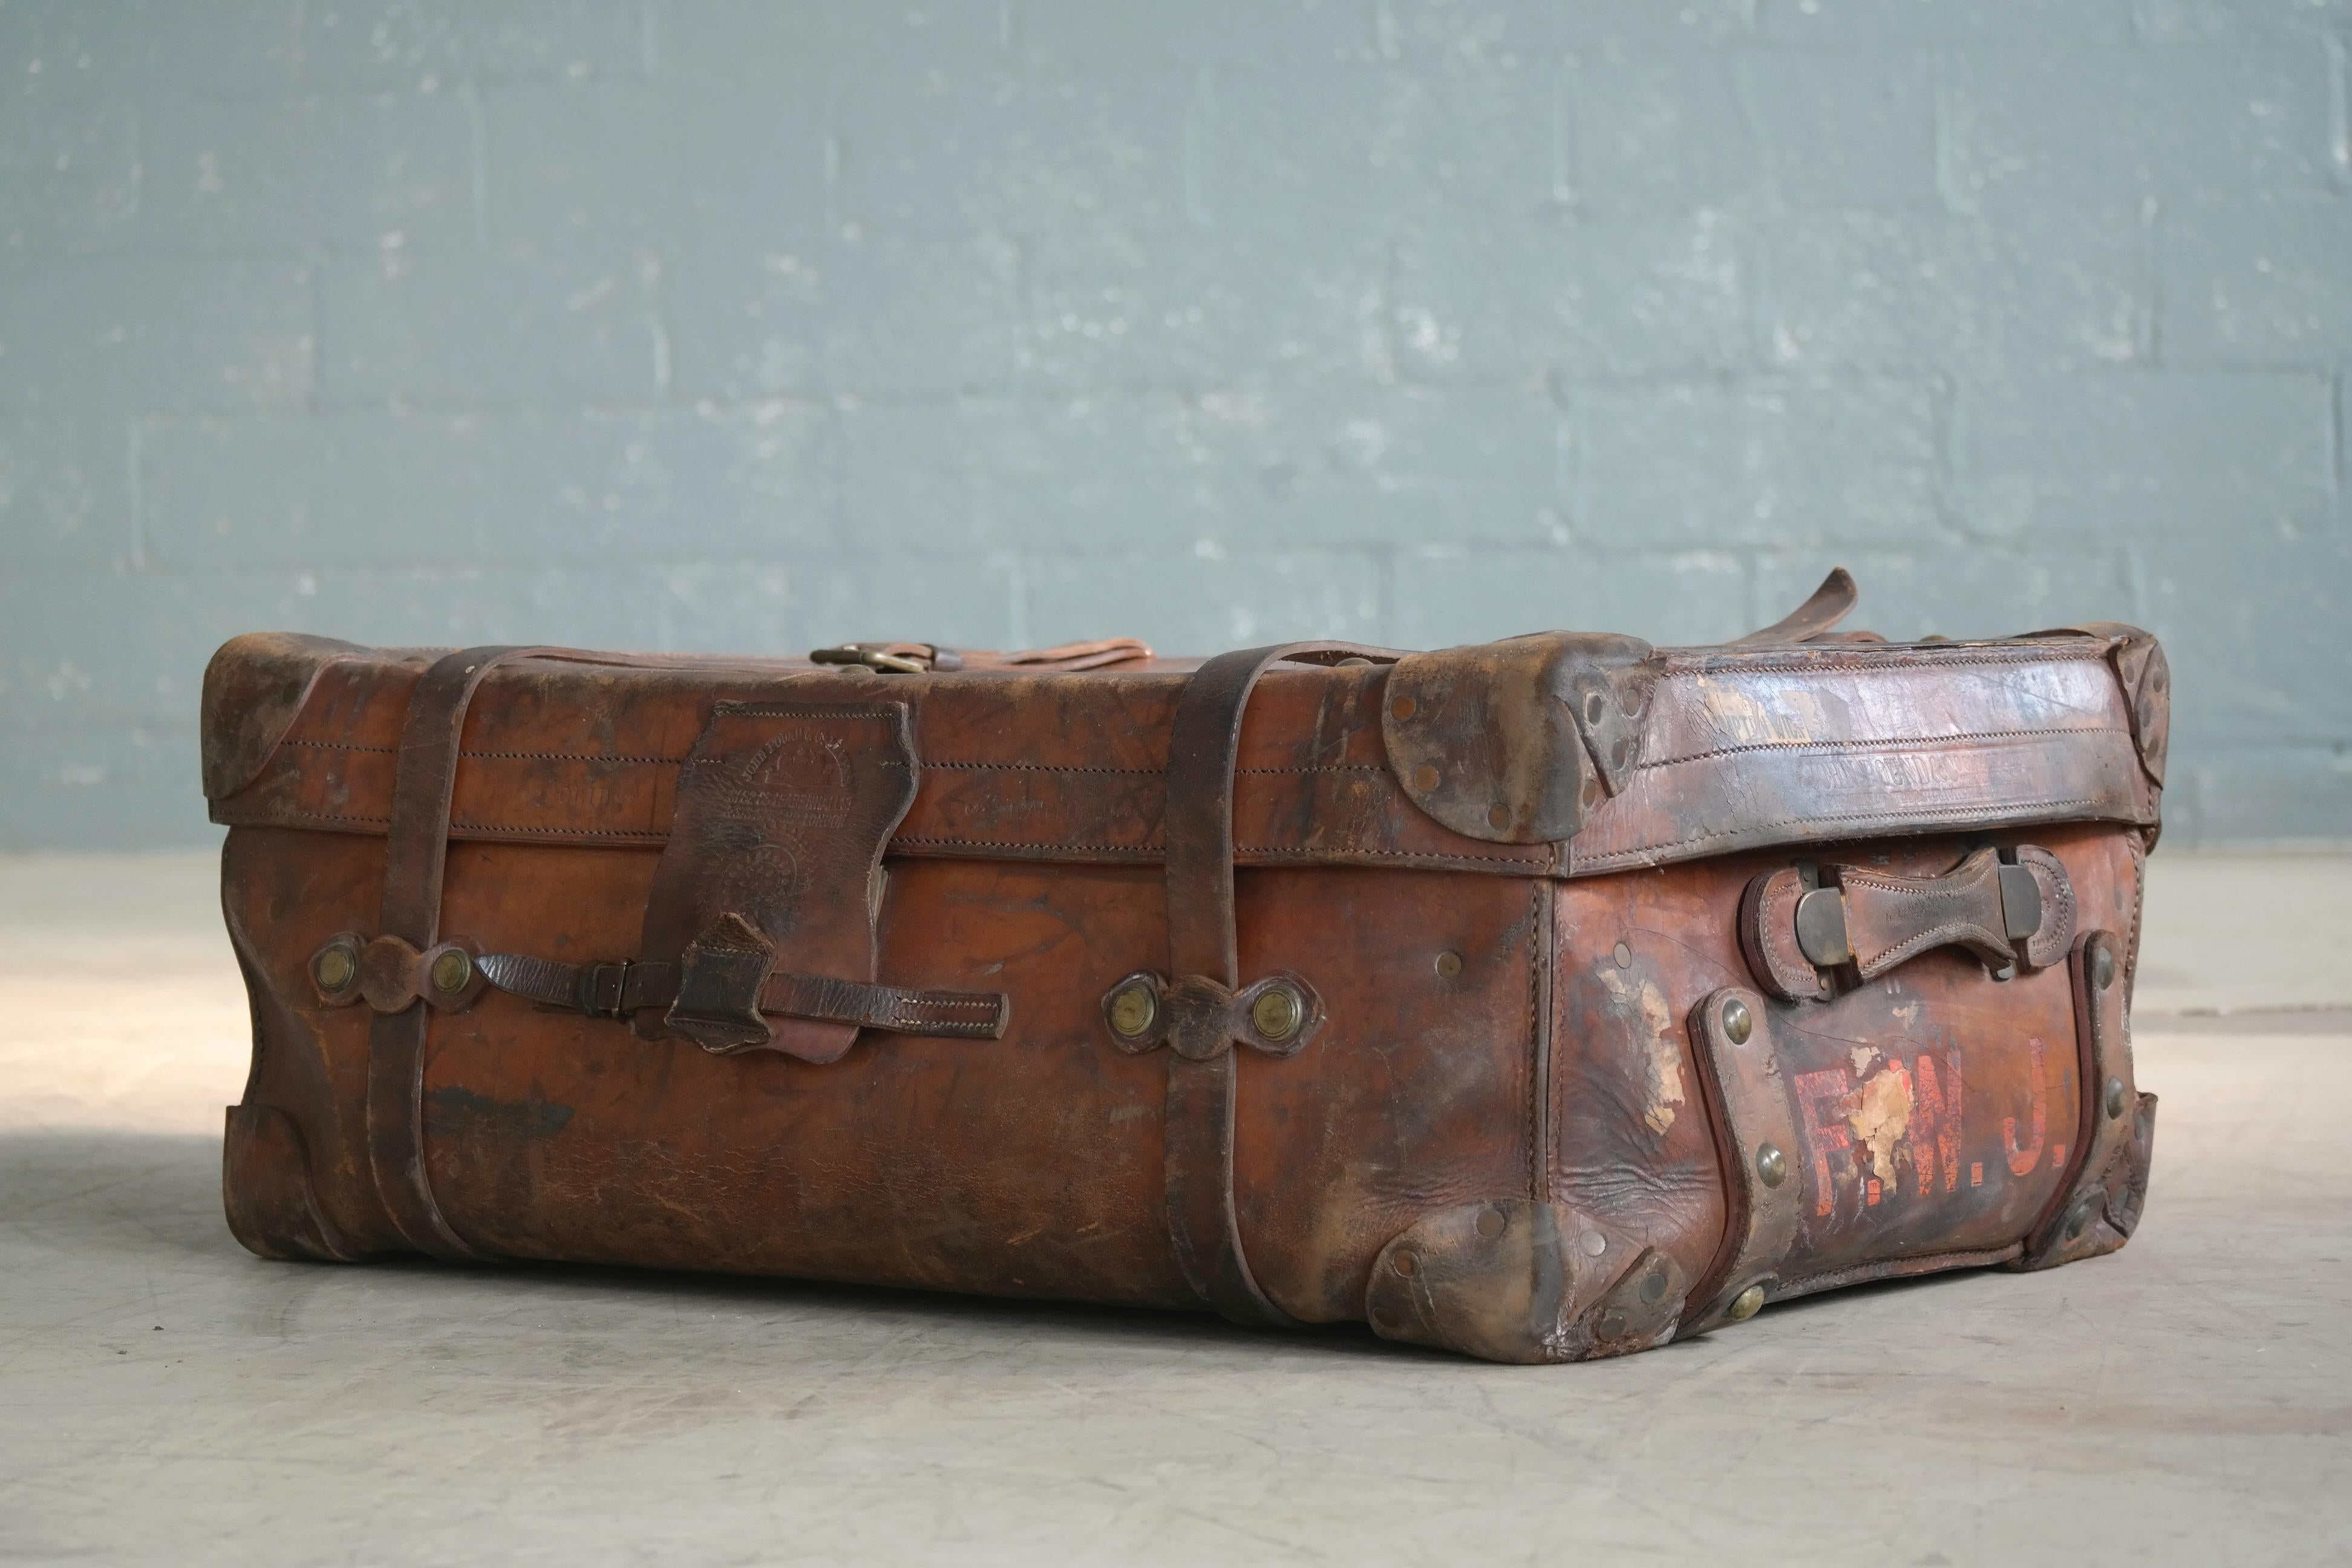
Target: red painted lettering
{"points": [[1935, 1121], [2023, 1160], [1812, 1087]]}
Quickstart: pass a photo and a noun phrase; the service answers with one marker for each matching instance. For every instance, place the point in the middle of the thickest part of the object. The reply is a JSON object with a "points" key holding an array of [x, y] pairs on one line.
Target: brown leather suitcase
{"points": [[1541, 1000]]}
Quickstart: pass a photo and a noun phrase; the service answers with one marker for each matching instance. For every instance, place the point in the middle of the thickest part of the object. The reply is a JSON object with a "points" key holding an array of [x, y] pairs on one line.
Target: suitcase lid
{"points": [[1557, 754]]}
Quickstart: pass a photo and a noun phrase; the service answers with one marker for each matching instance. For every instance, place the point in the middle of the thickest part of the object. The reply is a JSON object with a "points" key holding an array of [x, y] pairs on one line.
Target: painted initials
{"points": [[1935, 1122], [2022, 1161]]}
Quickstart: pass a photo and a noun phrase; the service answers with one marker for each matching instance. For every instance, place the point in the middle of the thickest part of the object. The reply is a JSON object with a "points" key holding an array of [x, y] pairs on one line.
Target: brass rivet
{"points": [[1771, 1165], [1593, 1243], [451, 971], [1491, 1222], [1424, 778], [1498, 817], [1403, 708], [1449, 964], [1653, 1287], [1277, 1013], [1618, 752], [1133, 1010], [1594, 707], [2103, 968], [1612, 1324], [1405, 1262], [2147, 712], [1623, 955], [2115, 1097], [334, 967], [1748, 1303], [1589, 795], [1738, 1022]]}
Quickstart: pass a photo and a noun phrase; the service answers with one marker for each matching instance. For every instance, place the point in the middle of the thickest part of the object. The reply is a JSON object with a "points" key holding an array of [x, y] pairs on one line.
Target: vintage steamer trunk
{"points": [[1542, 1000]]}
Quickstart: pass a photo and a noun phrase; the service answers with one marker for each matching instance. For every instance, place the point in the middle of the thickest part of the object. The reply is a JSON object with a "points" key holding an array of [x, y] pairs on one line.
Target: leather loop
{"points": [[1204, 742], [416, 855]]}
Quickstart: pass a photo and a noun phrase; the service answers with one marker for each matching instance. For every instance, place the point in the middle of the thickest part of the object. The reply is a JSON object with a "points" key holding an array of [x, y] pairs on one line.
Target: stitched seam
{"points": [[1732, 664], [956, 766], [1935, 936], [1532, 1092], [1914, 815], [1876, 741]]}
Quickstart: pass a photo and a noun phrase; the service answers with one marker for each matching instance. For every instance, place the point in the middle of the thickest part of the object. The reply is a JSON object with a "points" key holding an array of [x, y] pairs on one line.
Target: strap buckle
{"points": [[890, 657], [604, 989]]}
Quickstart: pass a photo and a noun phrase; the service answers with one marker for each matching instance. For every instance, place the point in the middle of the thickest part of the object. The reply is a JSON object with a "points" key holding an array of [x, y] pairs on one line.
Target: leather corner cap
{"points": [[255, 688], [1518, 742]]}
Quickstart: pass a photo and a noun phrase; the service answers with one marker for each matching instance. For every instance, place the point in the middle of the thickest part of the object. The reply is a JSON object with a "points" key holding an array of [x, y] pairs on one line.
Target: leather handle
{"points": [[1816, 618], [1802, 926], [923, 658]]}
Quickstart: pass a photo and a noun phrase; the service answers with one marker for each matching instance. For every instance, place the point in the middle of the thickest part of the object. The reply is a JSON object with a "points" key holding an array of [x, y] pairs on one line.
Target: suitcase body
{"points": [[1542, 1000]]}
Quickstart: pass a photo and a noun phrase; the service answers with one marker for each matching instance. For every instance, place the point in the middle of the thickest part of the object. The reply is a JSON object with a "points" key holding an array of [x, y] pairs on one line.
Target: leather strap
{"points": [[616, 990], [416, 853], [1204, 742]]}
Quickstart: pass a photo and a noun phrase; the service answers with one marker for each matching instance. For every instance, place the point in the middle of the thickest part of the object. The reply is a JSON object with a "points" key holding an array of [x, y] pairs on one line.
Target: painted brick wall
{"points": [[752, 325]]}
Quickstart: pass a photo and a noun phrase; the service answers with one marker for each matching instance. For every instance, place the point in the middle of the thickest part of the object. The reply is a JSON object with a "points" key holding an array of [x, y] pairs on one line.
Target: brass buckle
{"points": [[889, 657]]}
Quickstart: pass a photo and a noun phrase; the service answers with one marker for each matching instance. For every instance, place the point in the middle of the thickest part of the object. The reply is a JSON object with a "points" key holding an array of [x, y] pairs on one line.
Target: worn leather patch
{"points": [[783, 809]]}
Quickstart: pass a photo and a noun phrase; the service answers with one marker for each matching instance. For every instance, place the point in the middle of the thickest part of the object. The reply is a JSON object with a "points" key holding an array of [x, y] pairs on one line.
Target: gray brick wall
{"points": [[754, 324]]}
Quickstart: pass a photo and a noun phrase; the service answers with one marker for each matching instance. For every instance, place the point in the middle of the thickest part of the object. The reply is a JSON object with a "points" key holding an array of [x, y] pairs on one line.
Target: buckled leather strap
{"points": [[617, 990], [1204, 744], [416, 852]]}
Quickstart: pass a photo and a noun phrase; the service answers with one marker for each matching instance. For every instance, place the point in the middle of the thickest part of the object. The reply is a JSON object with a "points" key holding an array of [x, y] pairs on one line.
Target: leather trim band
{"points": [[1204, 742], [416, 854]]}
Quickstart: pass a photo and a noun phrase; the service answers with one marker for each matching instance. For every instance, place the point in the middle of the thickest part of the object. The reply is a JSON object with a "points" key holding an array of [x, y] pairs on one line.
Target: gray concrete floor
{"points": [[164, 1398]]}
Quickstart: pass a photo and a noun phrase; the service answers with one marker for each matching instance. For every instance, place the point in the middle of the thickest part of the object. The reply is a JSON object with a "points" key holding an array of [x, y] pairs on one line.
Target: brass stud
{"points": [[1738, 1022], [1424, 778], [1449, 964], [1594, 707], [1498, 817], [1747, 1304], [1593, 1243], [1277, 1013], [451, 972], [1403, 708], [334, 966], [2102, 967], [1589, 795], [1612, 1324], [1133, 1010], [1771, 1165], [1653, 1287], [1406, 1262], [1618, 752], [2115, 1097], [1623, 955], [1492, 1223]]}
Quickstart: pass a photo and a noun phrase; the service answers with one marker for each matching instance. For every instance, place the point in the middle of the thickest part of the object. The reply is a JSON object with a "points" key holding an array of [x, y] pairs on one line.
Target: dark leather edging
{"points": [[1204, 744], [416, 847]]}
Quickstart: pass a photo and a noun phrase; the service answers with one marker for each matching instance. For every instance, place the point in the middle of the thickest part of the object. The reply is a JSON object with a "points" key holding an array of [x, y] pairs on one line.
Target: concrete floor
{"points": [[164, 1398]]}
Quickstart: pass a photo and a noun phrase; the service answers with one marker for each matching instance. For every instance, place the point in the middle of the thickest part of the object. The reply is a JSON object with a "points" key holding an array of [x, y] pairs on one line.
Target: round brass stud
{"points": [[1654, 1286], [334, 967], [1403, 708], [1589, 795], [1277, 1013], [1407, 1262], [2103, 968], [1747, 1304], [1623, 955], [1594, 707], [1424, 778], [1492, 1222], [1618, 752], [1738, 1022], [1498, 817], [1449, 964], [1771, 1165], [1612, 1324], [1593, 1243], [1133, 1010], [2115, 1097], [451, 972]]}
